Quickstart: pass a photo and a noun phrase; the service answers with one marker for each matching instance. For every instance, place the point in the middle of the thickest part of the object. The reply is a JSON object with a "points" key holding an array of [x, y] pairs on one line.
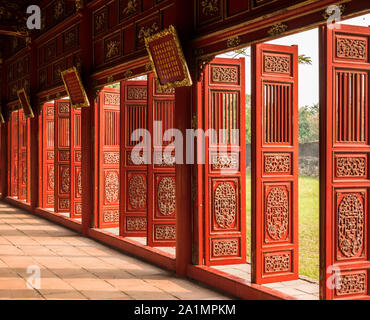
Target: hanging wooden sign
{"points": [[167, 58], [74, 88], [25, 103]]}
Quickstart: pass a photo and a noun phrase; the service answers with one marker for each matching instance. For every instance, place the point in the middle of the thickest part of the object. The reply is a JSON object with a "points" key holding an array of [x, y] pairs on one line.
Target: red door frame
{"points": [[133, 204], [344, 162], [13, 143], [109, 102], [22, 156], [224, 176], [274, 163], [161, 176]]}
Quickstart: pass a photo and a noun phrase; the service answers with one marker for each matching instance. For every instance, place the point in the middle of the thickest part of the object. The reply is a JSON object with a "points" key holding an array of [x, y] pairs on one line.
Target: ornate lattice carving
{"points": [[66, 180], [58, 9], [64, 155], [130, 8], [64, 108], [136, 93], [112, 49], [210, 7], [136, 224], [50, 199], [111, 216], [276, 64], [78, 156], [277, 164], [224, 74], [147, 31], [225, 203], [111, 157], [233, 42], [166, 196], [223, 248], [164, 159], [79, 183], [111, 186], [277, 29], [351, 48], [352, 284], [51, 177], [277, 213], [112, 99], [78, 208], [137, 191], [277, 263], [351, 225], [165, 232], [64, 203], [350, 167], [225, 161], [50, 111], [100, 21]]}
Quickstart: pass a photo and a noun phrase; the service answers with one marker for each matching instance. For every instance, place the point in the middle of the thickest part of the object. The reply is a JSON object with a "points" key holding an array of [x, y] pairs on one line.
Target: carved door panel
{"points": [[22, 181], [14, 144], [62, 160], [274, 163], [161, 170], [75, 163], [344, 162], [225, 192], [48, 156], [133, 207], [109, 142]]}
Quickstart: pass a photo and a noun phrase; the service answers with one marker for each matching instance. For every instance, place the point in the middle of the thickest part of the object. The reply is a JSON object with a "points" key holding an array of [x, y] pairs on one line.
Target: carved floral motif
{"points": [[64, 204], [225, 161], [64, 108], [277, 29], [136, 224], [112, 99], [66, 180], [111, 157], [147, 31], [225, 205], [277, 213], [165, 232], [277, 164], [100, 21], [351, 48], [112, 49], [51, 178], [137, 191], [276, 64], [210, 7], [58, 9], [350, 167], [351, 225], [111, 216], [224, 74], [166, 199], [352, 284], [130, 8], [79, 183], [111, 186], [277, 263], [136, 93], [223, 248]]}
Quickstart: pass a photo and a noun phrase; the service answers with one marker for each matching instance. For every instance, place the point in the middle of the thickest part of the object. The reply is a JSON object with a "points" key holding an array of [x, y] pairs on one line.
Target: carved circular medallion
{"points": [[111, 185], [225, 205], [66, 180], [350, 225], [166, 196], [277, 213], [137, 191]]}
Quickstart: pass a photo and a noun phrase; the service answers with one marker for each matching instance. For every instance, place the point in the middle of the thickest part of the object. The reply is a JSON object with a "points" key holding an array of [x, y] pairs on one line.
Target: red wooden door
{"points": [[225, 192], [75, 163], [48, 156], [22, 181], [344, 162], [274, 163], [62, 160], [161, 170], [14, 144], [133, 207], [109, 142]]}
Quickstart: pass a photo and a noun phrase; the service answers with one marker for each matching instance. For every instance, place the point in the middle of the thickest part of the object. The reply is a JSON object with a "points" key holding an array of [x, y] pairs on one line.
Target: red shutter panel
{"points": [[161, 175], [133, 206], [75, 164], [344, 167], [225, 203], [48, 156], [14, 139], [62, 156], [22, 175], [109, 157], [274, 163]]}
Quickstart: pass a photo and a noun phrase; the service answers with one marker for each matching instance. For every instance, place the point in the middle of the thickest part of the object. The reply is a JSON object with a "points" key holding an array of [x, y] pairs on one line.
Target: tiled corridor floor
{"points": [[74, 267]]}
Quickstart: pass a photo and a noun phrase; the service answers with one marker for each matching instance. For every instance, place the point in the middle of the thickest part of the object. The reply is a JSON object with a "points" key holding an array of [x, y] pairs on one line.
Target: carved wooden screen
{"points": [[76, 176], [14, 144], [133, 207], [225, 192], [22, 168], [344, 166], [274, 163], [161, 171], [48, 156], [109, 142], [62, 162]]}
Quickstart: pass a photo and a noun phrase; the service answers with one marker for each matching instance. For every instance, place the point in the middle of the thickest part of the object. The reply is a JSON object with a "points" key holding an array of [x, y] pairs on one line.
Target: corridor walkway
{"points": [[75, 267]]}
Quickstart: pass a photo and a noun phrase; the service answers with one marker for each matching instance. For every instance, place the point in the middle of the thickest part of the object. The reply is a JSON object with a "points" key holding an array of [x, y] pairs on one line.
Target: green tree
{"points": [[309, 123]]}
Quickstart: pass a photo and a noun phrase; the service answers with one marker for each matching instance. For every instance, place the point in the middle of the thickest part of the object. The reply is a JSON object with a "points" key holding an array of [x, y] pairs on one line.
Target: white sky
{"points": [[307, 42]]}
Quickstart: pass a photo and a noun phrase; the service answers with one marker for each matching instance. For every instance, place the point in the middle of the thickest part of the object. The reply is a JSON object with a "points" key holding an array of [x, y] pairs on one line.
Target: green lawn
{"points": [[308, 225]]}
